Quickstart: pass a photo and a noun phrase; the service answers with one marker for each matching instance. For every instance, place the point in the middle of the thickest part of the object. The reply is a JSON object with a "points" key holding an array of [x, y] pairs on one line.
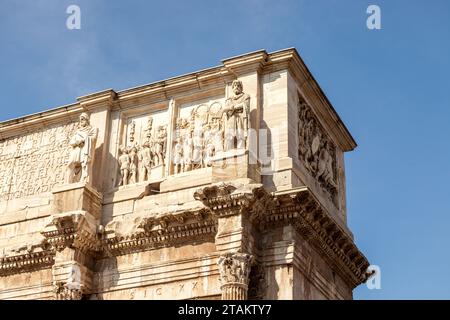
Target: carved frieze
{"points": [[144, 152], [316, 151], [211, 129]]}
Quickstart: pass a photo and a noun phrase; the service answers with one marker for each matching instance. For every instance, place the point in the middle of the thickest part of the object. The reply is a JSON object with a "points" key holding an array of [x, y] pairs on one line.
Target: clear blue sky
{"points": [[390, 86]]}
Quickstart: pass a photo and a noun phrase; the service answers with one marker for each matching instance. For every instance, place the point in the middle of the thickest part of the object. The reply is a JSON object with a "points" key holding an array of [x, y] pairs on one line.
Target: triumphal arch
{"points": [[226, 183]]}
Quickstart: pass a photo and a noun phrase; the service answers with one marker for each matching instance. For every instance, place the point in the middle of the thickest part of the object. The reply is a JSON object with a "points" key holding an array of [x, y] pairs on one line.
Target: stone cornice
{"points": [[74, 230], [27, 262], [297, 207], [42, 120], [246, 63], [103, 99], [135, 234], [226, 199], [303, 210], [140, 233]]}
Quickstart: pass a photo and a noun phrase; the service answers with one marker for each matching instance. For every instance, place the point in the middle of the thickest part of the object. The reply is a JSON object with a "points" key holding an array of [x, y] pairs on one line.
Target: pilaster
{"points": [[72, 235]]}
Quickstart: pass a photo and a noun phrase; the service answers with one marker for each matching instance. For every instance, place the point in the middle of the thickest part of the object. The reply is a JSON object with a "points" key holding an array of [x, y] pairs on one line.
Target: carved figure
{"points": [[315, 149], [188, 148], [145, 161], [197, 154], [124, 164], [79, 167], [210, 149], [235, 116], [160, 146], [178, 157], [134, 161]]}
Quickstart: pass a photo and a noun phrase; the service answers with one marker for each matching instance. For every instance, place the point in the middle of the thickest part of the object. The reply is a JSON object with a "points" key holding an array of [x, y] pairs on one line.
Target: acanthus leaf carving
{"points": [[235, 268], [67, 291]]}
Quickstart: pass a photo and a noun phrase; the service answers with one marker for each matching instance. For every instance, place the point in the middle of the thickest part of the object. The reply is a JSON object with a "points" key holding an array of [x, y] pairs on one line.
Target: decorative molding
{"points": [[147, 232], [72, 230], [231, 198], [301, 209], [296, 207], [36, 259]]}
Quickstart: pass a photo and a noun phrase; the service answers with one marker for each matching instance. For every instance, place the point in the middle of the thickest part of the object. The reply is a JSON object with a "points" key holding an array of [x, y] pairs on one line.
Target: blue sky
{"points": [[390, 87]]}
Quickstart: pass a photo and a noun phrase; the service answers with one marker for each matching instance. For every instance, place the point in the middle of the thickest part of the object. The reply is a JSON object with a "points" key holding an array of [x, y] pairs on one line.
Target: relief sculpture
{"points": [[198, 139], [210, 130], [141, 156], [315, 149]]}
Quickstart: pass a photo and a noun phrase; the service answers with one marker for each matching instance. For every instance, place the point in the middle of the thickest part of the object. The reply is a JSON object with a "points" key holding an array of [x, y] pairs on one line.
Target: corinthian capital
{"points": [[67, 291], [235, 268]]}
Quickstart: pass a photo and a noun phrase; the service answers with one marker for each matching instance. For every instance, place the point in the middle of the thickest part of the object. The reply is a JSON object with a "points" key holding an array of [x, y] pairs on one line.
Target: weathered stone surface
{"points": [[225, 183]]}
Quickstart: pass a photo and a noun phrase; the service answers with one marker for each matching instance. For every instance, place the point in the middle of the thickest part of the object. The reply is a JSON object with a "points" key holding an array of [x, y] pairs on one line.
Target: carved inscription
{"points": [[34, 163]]}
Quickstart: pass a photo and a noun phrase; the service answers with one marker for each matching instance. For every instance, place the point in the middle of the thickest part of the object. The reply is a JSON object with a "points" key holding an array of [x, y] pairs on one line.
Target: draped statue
{"points": [[79, 167], [236, 117]]}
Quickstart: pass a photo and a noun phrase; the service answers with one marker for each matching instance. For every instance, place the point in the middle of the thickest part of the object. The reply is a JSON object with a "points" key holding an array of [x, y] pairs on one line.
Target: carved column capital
{"points": [[234, 271], [67, 291]]}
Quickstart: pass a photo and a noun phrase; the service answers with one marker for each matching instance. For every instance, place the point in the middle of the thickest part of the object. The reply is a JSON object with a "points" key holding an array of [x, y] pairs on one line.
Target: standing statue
{"points": [[197, 153], [160, 146], [209, 151], [124, 164], [188, 148], [178, 157], [133, 154], [145, 161], [217, 135], [236, 111], [149, 128], [79, 167]]}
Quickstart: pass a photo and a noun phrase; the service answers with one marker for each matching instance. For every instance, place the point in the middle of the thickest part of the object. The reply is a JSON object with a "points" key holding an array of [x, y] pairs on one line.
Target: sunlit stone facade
{"points": [[227, 183]]}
